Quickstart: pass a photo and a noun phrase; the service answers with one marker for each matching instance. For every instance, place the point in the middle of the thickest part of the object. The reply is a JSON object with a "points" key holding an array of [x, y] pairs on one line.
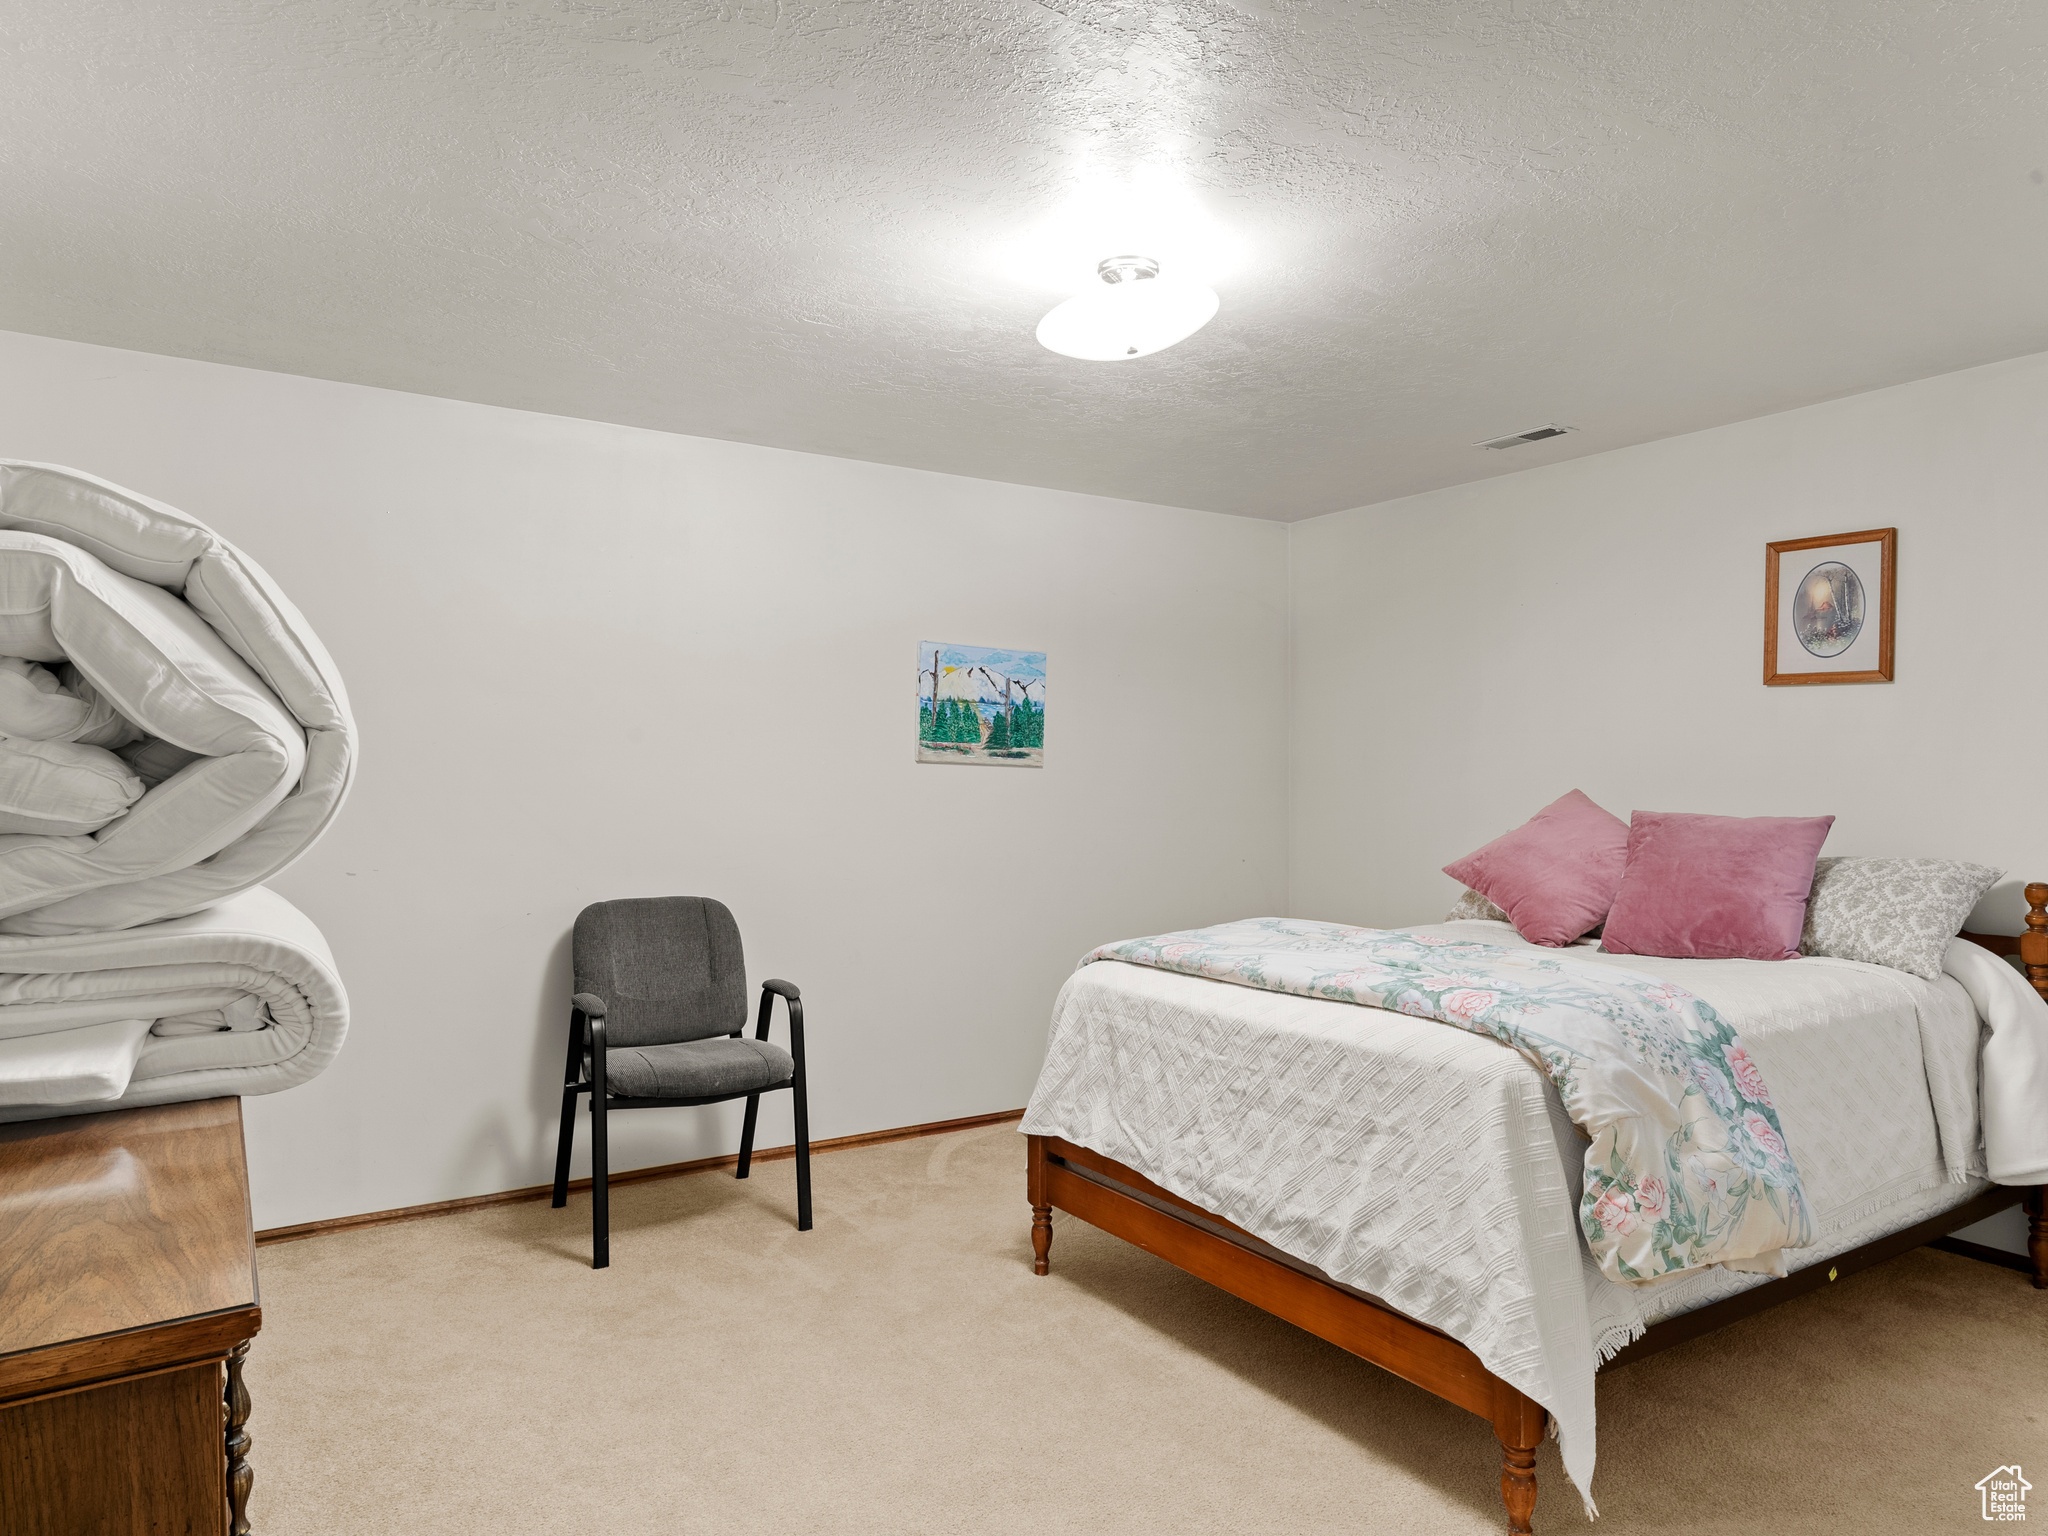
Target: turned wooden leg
{"points": [[241, 1478], [1041, 1208], [1518, 1486], [2037, 1234], [1518, 1425]]}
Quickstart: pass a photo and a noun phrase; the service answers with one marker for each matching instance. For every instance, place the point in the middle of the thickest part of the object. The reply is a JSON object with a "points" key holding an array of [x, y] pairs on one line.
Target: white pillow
{"points": [[62, 789]]}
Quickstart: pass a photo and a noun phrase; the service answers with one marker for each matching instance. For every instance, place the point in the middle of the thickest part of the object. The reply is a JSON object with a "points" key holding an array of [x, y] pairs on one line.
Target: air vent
{"points": [[1514, 439]]}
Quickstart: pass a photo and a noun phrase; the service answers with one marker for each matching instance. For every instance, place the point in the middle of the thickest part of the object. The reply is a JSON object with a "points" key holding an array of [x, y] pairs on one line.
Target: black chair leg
{"points": [[566, 1141], [747, 1135], [803, 1155], [565, 1144], [600, 1190]]}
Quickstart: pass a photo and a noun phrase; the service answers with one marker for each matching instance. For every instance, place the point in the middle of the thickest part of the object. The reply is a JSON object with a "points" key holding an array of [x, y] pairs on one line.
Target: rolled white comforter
{"points": [[171, 734], [186, 637], [239, 999]]}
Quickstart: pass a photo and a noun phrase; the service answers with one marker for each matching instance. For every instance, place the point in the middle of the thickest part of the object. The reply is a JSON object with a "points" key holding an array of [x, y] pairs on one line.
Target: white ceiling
{"points": [[781, 222]]}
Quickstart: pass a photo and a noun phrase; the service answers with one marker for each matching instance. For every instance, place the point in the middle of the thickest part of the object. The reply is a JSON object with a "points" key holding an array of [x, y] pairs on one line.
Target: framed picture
{"points": [[979, 704], [1828, 608]]}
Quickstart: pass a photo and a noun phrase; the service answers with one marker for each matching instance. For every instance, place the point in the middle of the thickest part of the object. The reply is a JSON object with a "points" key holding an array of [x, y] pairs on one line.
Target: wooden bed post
{"points": [[1041, 1208], [2034, 942], [1518, 1423], [2034, 957], [2037, 1234]]}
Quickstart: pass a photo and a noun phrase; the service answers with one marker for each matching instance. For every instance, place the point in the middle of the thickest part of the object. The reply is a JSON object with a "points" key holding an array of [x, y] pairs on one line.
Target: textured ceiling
{"points": [[795, 223]]}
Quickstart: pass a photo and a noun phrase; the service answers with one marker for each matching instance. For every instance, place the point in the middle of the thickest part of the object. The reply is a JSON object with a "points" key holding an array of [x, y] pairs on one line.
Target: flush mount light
{"points": [[1134, 314]]}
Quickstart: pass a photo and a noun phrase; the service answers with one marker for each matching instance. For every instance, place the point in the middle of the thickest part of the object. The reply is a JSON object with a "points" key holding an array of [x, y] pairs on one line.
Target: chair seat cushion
{"points": [[697, 1069]]}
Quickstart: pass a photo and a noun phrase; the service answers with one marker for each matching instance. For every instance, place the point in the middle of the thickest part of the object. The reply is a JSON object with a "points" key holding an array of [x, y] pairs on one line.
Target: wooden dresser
{"points": [[127, 1303]]}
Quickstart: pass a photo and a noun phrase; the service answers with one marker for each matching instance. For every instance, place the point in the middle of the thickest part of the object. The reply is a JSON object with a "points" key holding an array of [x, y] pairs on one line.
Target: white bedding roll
{"points": [[186, 637], [174, 734], [75, 1013]]}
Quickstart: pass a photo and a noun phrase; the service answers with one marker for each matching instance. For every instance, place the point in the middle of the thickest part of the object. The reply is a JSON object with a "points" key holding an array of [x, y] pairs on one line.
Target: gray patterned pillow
{"points": [[1473, 905], [1895, 912]]}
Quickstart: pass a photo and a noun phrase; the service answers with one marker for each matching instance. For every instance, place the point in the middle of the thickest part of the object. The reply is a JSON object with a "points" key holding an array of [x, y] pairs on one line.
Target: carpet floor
{"points": [[900, 1370]]}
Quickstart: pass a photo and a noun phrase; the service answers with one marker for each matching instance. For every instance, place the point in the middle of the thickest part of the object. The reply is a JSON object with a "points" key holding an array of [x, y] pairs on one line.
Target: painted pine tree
{"points": [[958, 721], [999, 732], [1027, 728]]}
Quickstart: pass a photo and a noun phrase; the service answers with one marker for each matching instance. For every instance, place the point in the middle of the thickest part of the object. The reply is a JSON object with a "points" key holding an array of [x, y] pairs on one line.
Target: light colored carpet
{"points": [[899, 1370]]}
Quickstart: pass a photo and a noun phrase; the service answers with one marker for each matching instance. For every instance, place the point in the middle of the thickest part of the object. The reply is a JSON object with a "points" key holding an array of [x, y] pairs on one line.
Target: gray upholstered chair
{"points": [[659, 1019]]}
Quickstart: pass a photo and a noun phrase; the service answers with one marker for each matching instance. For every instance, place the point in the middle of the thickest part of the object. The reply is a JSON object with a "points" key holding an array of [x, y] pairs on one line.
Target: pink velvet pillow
{"points": [[1715, 887], [1555, 875]]}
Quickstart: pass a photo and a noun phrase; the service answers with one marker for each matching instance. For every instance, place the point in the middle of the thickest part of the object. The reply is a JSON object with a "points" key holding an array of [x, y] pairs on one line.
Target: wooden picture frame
{"points": [[1792, 659]]}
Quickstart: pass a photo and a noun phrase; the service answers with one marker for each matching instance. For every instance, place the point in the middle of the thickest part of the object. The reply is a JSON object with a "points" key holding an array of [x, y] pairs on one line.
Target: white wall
{"points": [[1462, 657], [590, 661]]}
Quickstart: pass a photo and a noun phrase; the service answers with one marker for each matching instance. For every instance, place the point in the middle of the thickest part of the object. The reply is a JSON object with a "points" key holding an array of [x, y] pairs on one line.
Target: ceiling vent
{"points": [[1515, 439]]}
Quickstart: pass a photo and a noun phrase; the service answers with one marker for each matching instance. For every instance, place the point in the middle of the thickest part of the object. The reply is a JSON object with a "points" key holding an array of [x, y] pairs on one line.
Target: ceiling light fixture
{"points": [[1134, 314]]}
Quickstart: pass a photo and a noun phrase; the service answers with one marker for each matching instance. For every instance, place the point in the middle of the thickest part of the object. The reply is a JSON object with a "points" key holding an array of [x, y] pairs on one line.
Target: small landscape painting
{"points": [[1827, 612], [980, 704]]}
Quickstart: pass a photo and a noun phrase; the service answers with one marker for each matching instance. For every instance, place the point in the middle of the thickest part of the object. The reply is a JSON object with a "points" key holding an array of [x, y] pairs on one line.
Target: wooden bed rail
{"points": [[1119, 1200]]}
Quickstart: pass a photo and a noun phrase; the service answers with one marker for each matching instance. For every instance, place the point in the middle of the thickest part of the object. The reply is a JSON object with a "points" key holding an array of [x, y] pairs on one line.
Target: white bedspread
{"points": [[76, 1014], [1435, 1169], [2015, 1063]]}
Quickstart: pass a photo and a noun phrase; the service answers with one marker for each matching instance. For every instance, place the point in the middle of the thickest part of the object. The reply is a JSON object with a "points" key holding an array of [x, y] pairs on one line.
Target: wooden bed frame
{"points": [[1121, 1201]]}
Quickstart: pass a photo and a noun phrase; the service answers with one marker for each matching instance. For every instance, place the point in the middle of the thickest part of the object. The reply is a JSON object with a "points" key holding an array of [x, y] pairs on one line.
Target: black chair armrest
{"points": [[589, 1004], [793, 1000], [600, 1068]]}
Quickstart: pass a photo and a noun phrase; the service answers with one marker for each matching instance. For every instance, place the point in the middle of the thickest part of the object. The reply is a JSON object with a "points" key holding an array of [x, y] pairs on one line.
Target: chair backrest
{"points": [[669, 968]]}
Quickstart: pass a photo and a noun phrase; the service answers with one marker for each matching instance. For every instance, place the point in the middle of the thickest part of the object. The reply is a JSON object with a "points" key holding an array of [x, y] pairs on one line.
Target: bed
{"points": [[1399, 1188], [172, 734]]}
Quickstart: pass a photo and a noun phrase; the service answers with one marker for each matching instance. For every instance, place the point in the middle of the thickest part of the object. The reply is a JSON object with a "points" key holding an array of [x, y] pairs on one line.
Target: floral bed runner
{"points": [[1688, 1164]]}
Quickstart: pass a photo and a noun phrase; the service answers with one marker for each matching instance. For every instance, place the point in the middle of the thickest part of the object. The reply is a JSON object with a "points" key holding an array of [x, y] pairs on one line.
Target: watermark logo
{"points": [[2005, 1494]]}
